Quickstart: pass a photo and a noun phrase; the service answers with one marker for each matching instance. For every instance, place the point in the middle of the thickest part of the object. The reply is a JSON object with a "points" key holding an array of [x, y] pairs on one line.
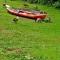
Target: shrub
{"points": [[57, 4]]}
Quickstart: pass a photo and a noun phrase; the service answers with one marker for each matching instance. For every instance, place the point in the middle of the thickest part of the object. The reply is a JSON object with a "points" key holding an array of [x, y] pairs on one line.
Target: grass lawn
{"points": [[27, 39]]}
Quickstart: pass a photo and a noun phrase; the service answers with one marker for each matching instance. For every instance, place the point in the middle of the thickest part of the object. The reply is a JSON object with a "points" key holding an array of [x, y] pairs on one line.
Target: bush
{"points": [[57, 4]]}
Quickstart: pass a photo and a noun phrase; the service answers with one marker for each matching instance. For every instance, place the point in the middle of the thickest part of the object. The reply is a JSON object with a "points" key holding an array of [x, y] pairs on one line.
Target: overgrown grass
{"points": [[38, 40]]}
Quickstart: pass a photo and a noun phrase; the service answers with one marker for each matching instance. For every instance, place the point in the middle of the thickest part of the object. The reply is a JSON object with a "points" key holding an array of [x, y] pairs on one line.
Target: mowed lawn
{"points": [[27, 39]]}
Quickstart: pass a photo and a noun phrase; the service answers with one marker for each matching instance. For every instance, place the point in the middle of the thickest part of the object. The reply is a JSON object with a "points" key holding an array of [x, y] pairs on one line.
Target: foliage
{"points": [[46, 2], [57, 4]]}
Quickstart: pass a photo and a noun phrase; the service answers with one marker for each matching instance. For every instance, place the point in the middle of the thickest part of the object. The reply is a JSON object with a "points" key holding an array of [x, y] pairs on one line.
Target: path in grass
{"points": [[40, 40]]}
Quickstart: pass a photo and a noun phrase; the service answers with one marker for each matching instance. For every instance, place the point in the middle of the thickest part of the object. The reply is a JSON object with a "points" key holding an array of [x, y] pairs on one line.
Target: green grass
{"points": [[40, 40]]}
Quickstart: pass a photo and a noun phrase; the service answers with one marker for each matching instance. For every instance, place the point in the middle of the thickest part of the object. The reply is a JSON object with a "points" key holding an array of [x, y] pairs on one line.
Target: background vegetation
{"points": [[55, 3]]}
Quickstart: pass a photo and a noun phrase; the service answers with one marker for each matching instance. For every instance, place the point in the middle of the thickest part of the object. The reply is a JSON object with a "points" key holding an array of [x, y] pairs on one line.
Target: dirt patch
{"points": [[15, 50]]}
